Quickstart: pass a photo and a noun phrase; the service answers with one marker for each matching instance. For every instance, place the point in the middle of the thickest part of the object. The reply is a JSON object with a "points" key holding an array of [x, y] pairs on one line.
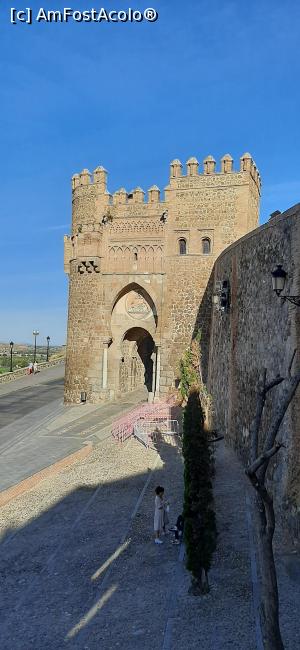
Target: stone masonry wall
{"points": [[259, 331]]}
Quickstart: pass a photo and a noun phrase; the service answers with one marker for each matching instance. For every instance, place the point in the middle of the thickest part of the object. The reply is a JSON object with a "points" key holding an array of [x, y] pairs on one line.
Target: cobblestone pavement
{"points": [[79, 567]]}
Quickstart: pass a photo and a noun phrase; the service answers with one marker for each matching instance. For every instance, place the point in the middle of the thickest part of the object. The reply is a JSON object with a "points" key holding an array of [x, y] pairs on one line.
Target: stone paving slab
{"points": [[79, 567], [27, 484], [29, 458]]}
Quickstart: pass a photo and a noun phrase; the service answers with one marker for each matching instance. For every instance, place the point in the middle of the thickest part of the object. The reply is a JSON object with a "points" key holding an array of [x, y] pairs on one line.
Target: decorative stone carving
{"points": [[136, 305], [140, 257], [136, 225], [90, 266]]}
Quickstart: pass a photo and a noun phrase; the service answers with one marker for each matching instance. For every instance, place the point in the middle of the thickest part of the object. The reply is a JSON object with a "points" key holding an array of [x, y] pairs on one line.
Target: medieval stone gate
{"points": [[139, 272]]}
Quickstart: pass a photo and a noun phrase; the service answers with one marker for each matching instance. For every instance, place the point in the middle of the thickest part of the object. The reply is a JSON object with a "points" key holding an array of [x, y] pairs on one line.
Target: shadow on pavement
{"points": [[86, 573]]}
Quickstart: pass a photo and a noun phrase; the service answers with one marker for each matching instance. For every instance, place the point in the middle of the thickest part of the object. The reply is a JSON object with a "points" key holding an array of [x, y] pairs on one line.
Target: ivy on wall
{"points": [[191, 375]]}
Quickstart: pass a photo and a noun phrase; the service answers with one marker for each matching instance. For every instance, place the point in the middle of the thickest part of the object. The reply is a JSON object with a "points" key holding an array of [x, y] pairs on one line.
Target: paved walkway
{"points": [[26, 385], [79, 568], [38, 430]]}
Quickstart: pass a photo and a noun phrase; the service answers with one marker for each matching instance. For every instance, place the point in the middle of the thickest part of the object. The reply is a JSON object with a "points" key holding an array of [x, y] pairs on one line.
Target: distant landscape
{"points": [[23, 354]]}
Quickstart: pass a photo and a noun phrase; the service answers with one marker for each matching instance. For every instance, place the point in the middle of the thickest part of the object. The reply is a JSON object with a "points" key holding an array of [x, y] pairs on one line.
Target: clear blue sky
{"points": [[206, 78]]}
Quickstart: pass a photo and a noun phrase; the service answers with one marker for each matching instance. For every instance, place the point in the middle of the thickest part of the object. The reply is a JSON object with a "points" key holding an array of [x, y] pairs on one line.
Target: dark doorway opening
{"points": [[137, 362]]}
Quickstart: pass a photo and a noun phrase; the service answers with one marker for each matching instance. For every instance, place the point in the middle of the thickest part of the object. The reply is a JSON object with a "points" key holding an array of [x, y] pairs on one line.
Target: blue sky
{"points": [[206, 78]]}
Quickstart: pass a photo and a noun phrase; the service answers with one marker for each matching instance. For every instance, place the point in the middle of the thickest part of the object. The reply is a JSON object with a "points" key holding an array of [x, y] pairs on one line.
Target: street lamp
{"points": [[11, 355], [48, 343], [279, 276], [35, 334]]}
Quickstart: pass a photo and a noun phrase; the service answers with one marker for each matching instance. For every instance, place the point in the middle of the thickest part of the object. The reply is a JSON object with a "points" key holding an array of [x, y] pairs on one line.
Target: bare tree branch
{"points": [[264, 509], [278, 379], [263, 389], [263, 458], [255, 425], [281, 410], [291, 363]]}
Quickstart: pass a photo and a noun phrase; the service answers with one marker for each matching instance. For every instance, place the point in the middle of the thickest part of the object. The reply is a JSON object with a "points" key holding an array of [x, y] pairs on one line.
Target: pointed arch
{"points": [[134, 286]]}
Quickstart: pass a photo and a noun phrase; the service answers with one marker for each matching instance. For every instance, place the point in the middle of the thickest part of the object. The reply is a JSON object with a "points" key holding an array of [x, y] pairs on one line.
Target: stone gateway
{"points": [[139, 270]]}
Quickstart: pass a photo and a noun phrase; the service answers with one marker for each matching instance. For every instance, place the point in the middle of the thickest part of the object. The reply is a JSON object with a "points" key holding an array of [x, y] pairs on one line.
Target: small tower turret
{"points": [[226, 164], [175, 168], [209, 165], [154, 194], [85, 177], [138, 195], [122, 196], [192, 166], [75, 181], [100, 178], [246, 162]]}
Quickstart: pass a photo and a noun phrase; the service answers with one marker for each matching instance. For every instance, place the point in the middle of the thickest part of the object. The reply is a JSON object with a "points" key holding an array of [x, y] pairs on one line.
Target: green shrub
{"points": [[199, 516], [188, 373]]}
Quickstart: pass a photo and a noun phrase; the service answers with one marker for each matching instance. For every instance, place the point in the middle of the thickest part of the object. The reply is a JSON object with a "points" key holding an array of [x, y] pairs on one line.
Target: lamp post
{"points": [[279, 276], [35, 334], [11, 355], [48, 343]]}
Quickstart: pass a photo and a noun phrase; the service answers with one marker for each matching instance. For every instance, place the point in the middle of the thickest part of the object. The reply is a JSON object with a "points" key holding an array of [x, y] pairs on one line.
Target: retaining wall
{"points": [[259, 330], [16, 374]]}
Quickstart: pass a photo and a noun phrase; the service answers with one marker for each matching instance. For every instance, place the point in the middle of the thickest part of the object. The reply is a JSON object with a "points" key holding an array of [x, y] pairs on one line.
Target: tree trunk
{"points": [[269, 591], [204, 582], [200, 585], [264, 510]]}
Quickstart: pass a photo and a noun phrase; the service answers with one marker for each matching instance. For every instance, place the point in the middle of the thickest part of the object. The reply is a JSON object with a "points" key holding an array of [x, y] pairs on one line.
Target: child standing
{"points": [[159, 514]]}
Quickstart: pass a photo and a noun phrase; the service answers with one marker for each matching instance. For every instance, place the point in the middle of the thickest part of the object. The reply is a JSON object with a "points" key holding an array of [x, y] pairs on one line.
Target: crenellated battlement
{"points": [[98, 179], [247, 165]]}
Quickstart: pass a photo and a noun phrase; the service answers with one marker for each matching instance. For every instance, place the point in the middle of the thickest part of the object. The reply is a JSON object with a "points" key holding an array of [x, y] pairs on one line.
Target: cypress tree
{"points": [[199, 517]]}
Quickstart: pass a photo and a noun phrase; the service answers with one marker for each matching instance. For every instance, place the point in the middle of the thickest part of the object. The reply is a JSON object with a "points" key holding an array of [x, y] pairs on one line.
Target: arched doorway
{"points": [[136, 363], [131, 356]]}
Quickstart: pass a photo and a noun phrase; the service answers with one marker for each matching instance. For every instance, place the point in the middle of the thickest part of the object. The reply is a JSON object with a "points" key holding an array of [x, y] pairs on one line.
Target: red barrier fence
{"points": [[123, 427]]}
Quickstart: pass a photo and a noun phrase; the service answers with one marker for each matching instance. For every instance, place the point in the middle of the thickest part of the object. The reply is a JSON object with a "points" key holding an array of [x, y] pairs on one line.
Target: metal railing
{"points": [[123, 428], [149, 431]]}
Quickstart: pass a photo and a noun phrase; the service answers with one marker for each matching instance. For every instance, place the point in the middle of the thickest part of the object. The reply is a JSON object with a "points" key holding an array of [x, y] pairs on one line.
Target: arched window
{"points": [[206, 246], [182, 246]]}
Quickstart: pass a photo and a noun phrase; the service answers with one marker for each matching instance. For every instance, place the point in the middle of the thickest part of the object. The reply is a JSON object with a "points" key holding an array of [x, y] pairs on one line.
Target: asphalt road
{"points": [[37, 429], [26, 395]]}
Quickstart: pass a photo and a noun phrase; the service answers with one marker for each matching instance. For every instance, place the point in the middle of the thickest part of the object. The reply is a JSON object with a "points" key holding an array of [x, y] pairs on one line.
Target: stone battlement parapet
{"points": [[98, 179]]}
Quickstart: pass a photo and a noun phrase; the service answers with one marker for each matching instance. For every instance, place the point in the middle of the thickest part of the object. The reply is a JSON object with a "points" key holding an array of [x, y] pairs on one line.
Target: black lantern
{"points": [[279, 276], [278, 279]]}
